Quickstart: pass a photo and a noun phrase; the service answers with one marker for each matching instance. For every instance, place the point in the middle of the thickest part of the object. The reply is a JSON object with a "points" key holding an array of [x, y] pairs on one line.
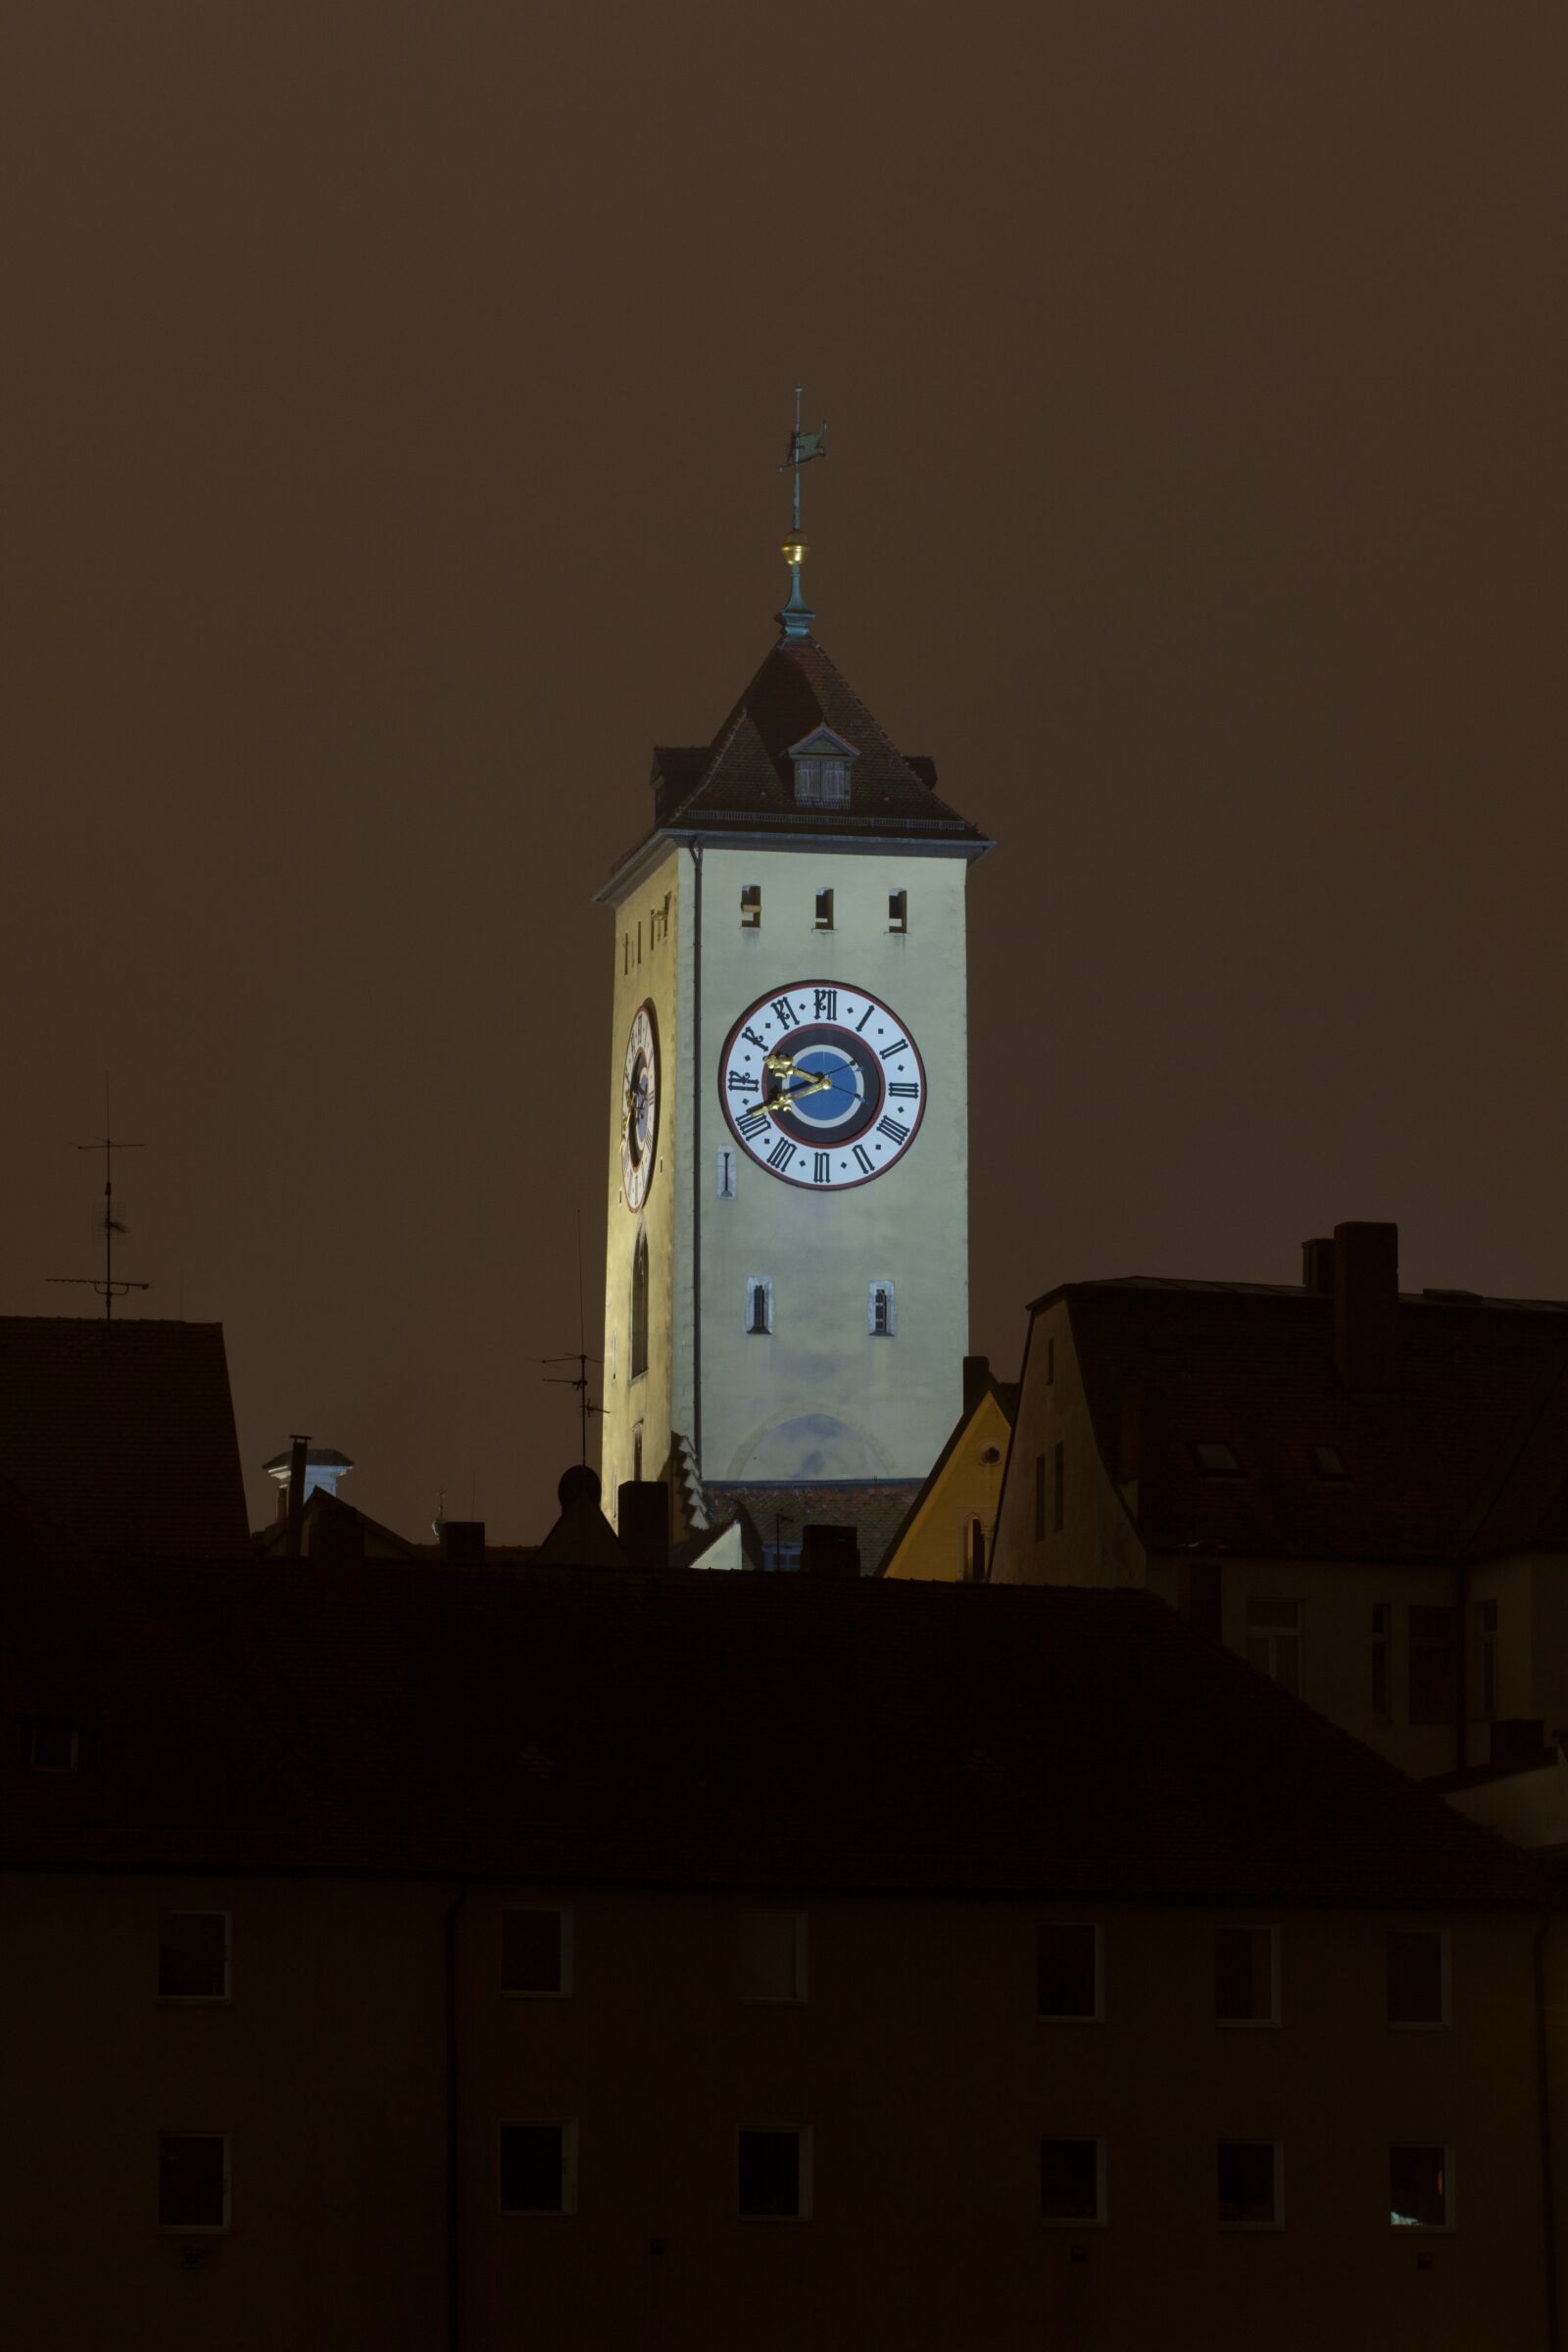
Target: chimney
{"points": [[1366, 1305], [1317, 1267], [462, 1543], [644, 1522], [977, 1380], [298, 1449], [836, 1550]]}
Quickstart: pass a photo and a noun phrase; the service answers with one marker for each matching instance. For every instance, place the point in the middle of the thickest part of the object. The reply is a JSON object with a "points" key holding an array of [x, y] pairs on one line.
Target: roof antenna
{"points": [[577, 1380], [797, 617], [108, 1286]]}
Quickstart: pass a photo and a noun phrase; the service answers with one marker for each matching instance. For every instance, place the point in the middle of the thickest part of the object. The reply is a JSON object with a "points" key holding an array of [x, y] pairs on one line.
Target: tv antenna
{"points": [[577, 1380], [109, 1286]]}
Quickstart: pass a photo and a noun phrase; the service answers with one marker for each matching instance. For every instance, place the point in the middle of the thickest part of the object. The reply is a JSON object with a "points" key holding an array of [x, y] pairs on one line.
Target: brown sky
{"points": [[391, 400]]}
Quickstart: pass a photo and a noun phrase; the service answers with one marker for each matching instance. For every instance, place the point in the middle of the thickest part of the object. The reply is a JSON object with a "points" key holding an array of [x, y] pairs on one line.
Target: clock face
{"points": [[639, 1108], [822, 1085]]}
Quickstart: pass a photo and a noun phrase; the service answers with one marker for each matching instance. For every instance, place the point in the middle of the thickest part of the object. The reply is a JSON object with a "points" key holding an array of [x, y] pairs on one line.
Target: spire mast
{"points": [[797, 617]]}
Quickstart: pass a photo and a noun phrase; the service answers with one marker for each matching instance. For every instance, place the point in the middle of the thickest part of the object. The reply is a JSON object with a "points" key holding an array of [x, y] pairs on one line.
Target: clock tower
{"points": [[786, 1278]]}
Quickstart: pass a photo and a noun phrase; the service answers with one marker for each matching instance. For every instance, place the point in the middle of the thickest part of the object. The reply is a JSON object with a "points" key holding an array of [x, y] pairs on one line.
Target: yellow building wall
{"points": [[1098, 1542], [935, 1545]]}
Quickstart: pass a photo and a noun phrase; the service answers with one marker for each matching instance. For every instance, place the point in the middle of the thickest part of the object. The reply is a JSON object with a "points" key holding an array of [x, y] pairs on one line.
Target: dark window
{"points": [[192, 2180], [1067, 1971], [1381, 1662], [533, 2168], [1069, 2179], [1058, 1487], [1431, 1664], [880, 1318], [752, 906], [821, 783], [898, 910], [1485, 1700], [1417, 1989], [769, 2173], [1050, 1362], [1040, 1497], [824, 911], [1216, 1461], [639, 1305], [758, 1306], [975, 1552], [1418, 2189], [637, 1452], [53, 1745], [1243, 1976], [1274, 1640], [193, 1956], [1249, 2181], [533, 1950]]}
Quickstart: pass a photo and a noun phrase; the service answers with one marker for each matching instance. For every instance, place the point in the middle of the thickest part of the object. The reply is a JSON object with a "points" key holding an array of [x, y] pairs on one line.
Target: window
{"points": [[773, 2174], [53, 1745], [1381, 1662], [1072, 2179], [1216, 1461], [881, 1317], [1249, 2183], [752, 906], [626, 951], [1485, 1700], [1058, 1488], [192, 2180], [975, 1552], [1050, 1360], [637, 1452], [193, 1956], [1067, 1971], [1247, 1976], [759, 1305], [770, 1956], [536, 1950], [639, 942], [1430, 1664], [821, 783], [725, 1174], [1329, 1464], [538, 2167], [898, 910], [1418, 1976], [1040, 1497], [824, 911], [1274, 1640], [1420, 2189], [639, 1305], [782, 1559]]}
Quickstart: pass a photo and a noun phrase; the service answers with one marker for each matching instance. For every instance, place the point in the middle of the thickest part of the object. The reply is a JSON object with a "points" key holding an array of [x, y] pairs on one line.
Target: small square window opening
{"points": [[1420, 2189], [773, 2174], [538, 2167], [192, 2180], [824, 911], [752, 906], [1072, 2180], [898, 910], [1249, 2183]]}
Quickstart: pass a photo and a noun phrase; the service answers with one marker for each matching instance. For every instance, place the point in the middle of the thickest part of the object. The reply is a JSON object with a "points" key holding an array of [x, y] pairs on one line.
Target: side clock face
{"points": [[822, 1085], [639, 1108]]}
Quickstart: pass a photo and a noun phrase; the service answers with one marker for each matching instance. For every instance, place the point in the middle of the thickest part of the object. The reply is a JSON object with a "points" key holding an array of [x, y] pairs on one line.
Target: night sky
{"points": [[392, 401]]}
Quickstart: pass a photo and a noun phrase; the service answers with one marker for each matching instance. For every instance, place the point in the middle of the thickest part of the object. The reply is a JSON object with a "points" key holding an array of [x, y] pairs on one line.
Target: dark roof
{"points": [[601, 1724], [1463, 1455], [876, 1509], [120, 1435], [743, 781], [1005, 1393]]}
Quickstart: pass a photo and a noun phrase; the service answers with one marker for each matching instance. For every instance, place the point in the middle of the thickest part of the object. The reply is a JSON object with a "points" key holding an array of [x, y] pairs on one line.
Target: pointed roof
{"points": [[744, 780]]}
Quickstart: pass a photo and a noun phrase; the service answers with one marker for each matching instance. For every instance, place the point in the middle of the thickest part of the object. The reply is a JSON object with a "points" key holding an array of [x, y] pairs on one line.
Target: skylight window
{"points": [[1215, 1459]]}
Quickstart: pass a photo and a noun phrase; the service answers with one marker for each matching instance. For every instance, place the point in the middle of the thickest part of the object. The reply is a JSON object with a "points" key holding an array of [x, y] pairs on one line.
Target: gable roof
{"points": [[874, 1507], [120, 1435], [1003, 1394], [1463, 1455], [611, 1726]]}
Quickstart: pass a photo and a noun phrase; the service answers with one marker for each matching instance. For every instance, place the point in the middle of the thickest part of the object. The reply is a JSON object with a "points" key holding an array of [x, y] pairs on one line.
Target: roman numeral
{"points": [[864, 1156], [782, 1153], [755, 1123], [903, 1047], [864, 1017], [752, 1039], [892, 1130], [785, 1014], [905, 1086], [822, 1167], [826, 1005], [740, 1084]]}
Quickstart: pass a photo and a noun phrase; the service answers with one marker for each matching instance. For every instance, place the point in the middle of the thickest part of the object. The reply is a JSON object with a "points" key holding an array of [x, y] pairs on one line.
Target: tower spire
{"points": [[797, 615]]}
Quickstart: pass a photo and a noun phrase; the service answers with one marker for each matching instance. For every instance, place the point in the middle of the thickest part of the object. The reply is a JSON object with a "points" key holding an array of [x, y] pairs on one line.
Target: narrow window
{"points": [[536, 1950], [663, 922], [1040, 1497], [1247, 1976], [881, 1318], [898, 910], [1418, 1976], [637, 1452], [1067, 1971], [1050, 1359], [1430, 1664], [1485, 1706], [770, 1956], [639, 1305], [192, 2180], [725, 1174], [1072, 2179], [1274, 1640], [53, 1745], [639, 942], [1382, 1683], [752, 906], [1420, 2189], [824, 911], [1058, 1488], [1249, 2183], [773, 2174], [758, 1306], [538, 2167], [193, 1956], [626, 951], [975, 1552]]}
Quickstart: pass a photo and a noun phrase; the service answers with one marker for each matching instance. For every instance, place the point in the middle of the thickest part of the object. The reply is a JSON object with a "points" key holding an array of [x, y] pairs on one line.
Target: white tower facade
{"points": [[786, 1292]]}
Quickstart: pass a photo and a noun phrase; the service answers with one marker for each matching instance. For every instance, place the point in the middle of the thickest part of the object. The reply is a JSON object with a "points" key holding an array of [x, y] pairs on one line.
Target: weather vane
{"points": [[797, 615], [108, 1286]]}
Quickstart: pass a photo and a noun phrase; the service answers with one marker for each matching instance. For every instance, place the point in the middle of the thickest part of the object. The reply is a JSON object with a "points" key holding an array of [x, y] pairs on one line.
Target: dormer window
{"points": [[823, 761]]}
